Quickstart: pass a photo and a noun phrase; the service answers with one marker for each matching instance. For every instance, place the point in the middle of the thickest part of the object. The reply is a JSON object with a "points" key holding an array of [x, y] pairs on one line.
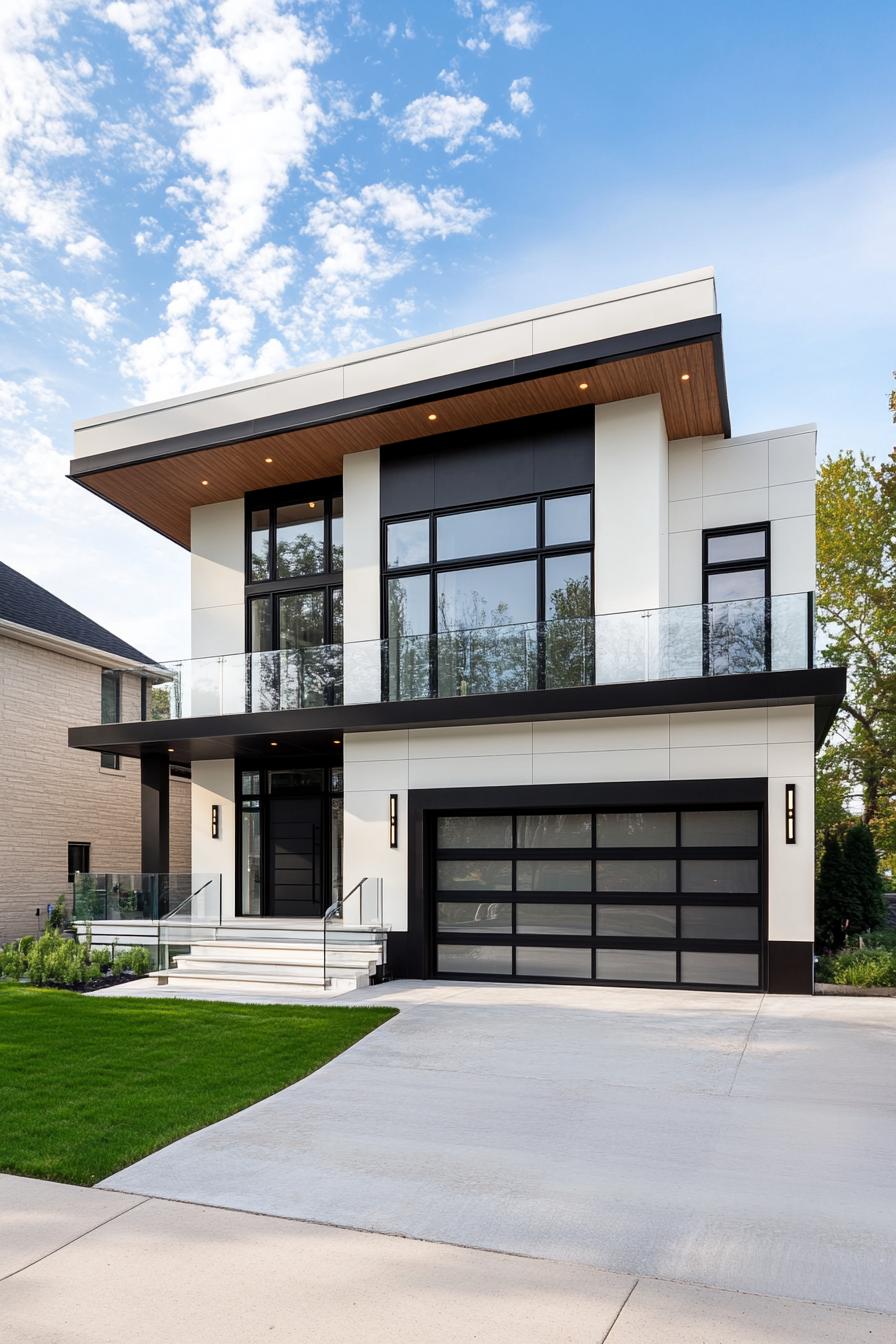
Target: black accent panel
{"points": [[154, 779], [791, 968], [491, 462]]}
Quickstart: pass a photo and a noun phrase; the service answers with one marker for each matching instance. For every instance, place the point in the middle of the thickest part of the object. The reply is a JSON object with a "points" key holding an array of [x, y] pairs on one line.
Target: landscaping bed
{"points": [[91, 1084], [64, 963], [866, 966]]}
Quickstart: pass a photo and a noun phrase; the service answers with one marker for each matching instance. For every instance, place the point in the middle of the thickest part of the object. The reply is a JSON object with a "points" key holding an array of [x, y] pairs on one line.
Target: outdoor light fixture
{"points": [[433, 416], [216, 821], [393, 820], [205, 482], [583, 387], [790, 813], [685, 377], [269, 459]]}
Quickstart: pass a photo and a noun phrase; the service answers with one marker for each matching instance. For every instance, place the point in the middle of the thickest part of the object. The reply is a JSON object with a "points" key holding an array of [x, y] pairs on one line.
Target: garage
{"points": [[653, 896]]}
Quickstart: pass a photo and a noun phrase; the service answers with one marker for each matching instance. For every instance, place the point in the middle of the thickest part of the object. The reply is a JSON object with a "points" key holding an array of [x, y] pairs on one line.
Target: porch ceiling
{"points": [[159, 483]]}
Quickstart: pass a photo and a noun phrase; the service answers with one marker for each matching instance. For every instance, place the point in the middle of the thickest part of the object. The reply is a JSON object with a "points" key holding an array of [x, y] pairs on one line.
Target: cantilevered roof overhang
{"points": [[160, 481]]}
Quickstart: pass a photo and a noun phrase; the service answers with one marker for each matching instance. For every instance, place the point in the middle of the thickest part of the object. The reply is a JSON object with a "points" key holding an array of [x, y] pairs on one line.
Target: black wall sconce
{"points": [[790, 814], [393, 820], [216, 821]]}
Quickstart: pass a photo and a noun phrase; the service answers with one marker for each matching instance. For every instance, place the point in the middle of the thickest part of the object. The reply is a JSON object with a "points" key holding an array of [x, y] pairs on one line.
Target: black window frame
{"points": [[272, 589], [538, 553], [84, 847], [709, 568]]}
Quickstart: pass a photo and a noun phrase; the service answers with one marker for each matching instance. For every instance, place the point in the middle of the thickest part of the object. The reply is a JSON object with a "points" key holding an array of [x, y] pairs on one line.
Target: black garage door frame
{"points": [[413, 954]]}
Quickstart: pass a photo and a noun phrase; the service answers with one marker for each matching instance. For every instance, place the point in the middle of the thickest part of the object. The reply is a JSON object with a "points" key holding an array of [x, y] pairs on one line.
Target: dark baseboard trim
{"points": [[791, 968]]}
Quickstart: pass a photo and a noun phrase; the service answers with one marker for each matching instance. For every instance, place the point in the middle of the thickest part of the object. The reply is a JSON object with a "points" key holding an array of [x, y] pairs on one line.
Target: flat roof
{"points": [[158, 462]]}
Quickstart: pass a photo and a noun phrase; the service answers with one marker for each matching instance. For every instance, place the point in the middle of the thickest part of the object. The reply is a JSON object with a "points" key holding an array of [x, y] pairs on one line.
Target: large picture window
{"points": [[459, 625]]}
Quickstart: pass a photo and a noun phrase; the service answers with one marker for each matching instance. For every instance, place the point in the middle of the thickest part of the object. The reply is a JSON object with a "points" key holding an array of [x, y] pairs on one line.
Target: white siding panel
{"points": [[791, 458], [626, 733], [585, 767], [735, 466], [718, 727], [718, 762]]}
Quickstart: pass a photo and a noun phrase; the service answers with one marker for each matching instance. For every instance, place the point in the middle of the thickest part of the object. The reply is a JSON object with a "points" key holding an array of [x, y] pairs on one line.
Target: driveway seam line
{"points": [[603, 1339], [81, 1235], [740, 1059]]}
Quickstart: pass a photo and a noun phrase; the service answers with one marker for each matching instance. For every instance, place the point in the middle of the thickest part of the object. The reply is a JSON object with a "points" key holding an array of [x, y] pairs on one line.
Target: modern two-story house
{"points": [[506, 622]]}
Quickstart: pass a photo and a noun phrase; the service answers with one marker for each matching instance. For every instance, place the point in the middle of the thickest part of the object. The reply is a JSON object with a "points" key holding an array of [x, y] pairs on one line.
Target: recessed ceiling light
{"points": [[269, 459], [583, 387], [685, 377], [432, 416], [205, 482], [273, 744], [337, 741], [312, 504], [170, 748]]}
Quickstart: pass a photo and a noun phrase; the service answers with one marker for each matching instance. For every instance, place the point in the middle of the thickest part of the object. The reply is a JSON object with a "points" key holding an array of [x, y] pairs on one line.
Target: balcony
{"points": [[723, 639]]}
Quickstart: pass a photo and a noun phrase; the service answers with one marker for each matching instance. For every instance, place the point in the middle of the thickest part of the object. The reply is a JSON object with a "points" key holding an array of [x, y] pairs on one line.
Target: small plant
{"points": [[13, 960], [58, 916], [867, 967], [133, 959]]}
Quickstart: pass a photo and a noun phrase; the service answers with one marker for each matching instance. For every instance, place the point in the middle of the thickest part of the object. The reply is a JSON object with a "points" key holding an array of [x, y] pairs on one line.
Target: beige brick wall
{"points": [[51, 794], [179, 836]]}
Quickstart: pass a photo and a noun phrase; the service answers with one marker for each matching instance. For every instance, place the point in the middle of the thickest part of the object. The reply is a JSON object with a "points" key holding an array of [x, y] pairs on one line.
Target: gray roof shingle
{"points": [[26, 603]]}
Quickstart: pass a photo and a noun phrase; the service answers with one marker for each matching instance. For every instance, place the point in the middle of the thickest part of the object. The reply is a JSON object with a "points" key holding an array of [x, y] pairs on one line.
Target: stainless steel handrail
{"points": [[171, 913], [334, 911]]}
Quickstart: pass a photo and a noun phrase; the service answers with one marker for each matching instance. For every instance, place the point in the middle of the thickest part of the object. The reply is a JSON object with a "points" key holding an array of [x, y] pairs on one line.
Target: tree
{"points": [[856, 615], [838, 909], [860, 861]]}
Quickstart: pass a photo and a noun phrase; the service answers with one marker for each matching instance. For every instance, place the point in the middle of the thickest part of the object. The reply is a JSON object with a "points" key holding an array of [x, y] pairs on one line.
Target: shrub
{"points": [[101, 958], [860, 858], [58, 916], [871, 966], [12, 961], [134, 959]]}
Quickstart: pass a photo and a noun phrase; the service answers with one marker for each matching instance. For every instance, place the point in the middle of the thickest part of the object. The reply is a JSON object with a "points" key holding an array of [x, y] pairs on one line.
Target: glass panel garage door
{"points": [[652, 897]]}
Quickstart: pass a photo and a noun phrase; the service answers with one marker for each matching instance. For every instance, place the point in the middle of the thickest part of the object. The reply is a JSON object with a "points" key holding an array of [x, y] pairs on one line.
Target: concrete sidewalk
{"points": [[77, 1265]]}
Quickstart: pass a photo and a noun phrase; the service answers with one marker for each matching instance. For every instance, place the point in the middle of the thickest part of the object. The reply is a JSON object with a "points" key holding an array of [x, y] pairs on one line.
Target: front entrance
{"points": [[295, 850], [290, 839]]}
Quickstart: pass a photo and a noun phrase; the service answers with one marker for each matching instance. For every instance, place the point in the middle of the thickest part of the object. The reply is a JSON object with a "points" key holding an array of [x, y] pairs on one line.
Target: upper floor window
{"points": [[737, 633], [296, 540], [506, 566]]}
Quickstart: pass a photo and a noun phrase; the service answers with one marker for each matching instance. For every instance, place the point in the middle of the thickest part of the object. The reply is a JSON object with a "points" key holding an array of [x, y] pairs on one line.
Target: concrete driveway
{"points": [[735, 1141]]}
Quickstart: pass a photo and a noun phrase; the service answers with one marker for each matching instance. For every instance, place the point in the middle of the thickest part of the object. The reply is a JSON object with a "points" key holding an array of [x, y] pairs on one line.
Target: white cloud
{"points": [[88, 248], [504, 130], [441, 116], [518, 25], [99, 313], [520, 98], [27, 399], [151, 238]]}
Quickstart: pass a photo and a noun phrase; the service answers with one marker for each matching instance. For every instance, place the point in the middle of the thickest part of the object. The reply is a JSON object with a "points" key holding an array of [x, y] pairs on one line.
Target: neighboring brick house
{"points": [[64, 809]]}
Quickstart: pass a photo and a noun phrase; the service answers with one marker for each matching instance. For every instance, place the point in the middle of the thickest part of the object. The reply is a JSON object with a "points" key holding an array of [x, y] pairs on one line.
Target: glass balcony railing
{"points": [[139, 896], [662, 644]]}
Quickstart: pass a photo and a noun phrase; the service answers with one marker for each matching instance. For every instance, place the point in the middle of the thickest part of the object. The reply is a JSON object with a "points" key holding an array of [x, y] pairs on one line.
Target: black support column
{"points": [[154, 776]]}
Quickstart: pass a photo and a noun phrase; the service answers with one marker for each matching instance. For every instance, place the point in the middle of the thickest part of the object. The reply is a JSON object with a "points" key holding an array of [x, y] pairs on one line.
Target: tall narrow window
{"points": [[110, 708], [78, 858], [736, 588]]}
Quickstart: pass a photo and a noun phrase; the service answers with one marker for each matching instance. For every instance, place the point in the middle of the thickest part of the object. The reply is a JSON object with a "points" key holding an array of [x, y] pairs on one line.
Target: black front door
{"points": [[295, 886]]}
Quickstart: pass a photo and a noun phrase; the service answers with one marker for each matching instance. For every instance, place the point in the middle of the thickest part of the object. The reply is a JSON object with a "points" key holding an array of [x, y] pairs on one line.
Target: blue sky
{"points": [[196, 192]]}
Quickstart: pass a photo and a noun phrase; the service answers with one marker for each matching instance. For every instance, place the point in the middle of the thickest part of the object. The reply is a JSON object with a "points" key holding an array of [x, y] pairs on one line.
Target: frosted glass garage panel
{"points": [[720, 921], [474, 917], [473, 875], [720, 968], [635, 830], [474, 833], [554, 831], [568, 963], [636, 921], [553, 875], [474, 959], [553, 918], [720, 828], [725, 876], [635, 875], [635, 964]]}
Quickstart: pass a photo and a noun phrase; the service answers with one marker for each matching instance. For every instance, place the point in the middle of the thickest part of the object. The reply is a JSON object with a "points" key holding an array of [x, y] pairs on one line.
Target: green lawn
{"points": [[89, 1084]]}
